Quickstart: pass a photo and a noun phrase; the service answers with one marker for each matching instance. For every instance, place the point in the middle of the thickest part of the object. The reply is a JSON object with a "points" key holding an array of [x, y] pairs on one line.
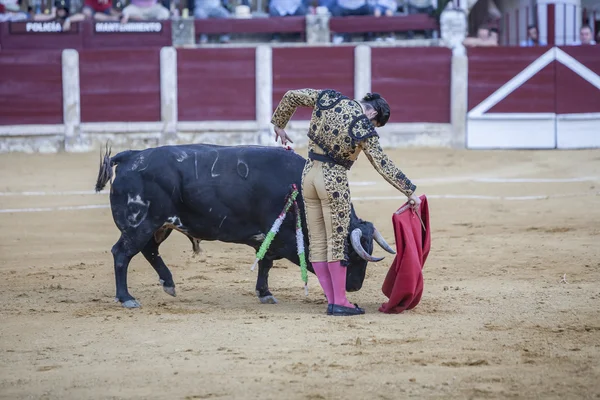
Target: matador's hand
{"points": [[280, 133], [414, 201]]}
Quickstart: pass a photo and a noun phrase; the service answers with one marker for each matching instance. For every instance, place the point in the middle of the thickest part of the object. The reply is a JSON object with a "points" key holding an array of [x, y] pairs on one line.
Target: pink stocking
{"points": [[338, 278], [322, 271]]}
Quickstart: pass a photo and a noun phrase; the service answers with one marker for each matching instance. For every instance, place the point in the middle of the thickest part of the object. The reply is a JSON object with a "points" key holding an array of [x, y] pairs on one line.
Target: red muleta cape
{"points": [[403, 285]]}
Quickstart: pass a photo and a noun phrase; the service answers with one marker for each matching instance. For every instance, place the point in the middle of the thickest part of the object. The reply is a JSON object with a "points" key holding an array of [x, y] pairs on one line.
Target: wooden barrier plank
{"points": [[396, 23], [312, 67], [33, 35], [490, 68], [30, 87], [574, 94], [216, 84], [136, 34], [120, 85], [414, 81], [251, 25]]}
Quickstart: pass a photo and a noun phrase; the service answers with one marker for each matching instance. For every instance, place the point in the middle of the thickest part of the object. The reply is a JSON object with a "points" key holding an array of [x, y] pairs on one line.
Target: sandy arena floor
{"points": [[495, 320]]}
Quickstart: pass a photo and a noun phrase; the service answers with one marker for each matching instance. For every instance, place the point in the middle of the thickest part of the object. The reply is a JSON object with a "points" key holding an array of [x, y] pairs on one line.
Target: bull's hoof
{"points": [[131, 304], [170, 290], [268, 299]]}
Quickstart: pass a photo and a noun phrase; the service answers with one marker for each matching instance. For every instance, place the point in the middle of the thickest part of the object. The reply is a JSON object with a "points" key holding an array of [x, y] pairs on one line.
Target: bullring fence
{"points": [[75, 99]]}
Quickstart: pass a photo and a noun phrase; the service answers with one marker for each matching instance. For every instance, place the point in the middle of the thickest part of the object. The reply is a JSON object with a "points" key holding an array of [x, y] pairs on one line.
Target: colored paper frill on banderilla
{"points": [[264, 247]]}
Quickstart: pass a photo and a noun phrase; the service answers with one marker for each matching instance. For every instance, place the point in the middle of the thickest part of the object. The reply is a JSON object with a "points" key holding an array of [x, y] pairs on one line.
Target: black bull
{"points": [[207, 192]]}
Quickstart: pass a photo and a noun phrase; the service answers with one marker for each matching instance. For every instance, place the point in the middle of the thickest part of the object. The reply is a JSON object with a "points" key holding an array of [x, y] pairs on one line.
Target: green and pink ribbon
{"points": [[264, 247]]}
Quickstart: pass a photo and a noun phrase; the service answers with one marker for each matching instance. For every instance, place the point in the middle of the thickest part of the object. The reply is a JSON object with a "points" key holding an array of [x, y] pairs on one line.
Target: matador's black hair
{"points": [[380, 105]]}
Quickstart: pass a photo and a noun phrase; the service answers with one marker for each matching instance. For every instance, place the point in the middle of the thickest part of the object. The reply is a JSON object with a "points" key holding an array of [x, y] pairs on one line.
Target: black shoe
{"points": [[329, 309], [346, 311]]}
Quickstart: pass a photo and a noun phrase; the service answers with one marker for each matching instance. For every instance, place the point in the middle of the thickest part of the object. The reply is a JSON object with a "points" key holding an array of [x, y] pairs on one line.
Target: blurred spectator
{"points": [[10, 11], [420, 7], [384, 7], [144, 10], [586, 37], [100, 10], [284, 8], [485, 38], [483, 33], [344, 8], [211, 9], [387, 8], [533, 38], [60, 13], [493, 39]]}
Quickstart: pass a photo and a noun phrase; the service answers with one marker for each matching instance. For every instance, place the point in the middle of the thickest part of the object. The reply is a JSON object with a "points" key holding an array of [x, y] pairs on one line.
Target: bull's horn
{"points": [[355, 240], [381, 241]]}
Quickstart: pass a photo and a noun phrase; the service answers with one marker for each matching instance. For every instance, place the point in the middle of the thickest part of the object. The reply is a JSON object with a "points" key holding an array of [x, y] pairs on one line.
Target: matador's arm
{"points": [[290, 101], [386, 167]]}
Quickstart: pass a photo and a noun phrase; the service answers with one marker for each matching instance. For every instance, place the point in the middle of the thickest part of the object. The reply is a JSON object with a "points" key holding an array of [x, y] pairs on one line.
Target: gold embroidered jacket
{"points": [[340, 129]]}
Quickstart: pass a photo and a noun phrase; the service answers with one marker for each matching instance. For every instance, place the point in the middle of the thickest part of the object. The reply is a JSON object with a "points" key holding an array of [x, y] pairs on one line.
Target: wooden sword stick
{"points": [[412, 203]]}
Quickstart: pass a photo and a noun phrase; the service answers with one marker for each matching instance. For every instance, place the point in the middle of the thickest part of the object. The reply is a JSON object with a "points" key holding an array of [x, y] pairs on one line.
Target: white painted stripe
{"points": [[503, 180], [63, 193], [535, 180], [513, 116], [214, 126], [477, 197], [581, 116], [514, 83], [357, 199], [121, 127], [45, 209], [450, 179], [578, 68], [32, 130]]}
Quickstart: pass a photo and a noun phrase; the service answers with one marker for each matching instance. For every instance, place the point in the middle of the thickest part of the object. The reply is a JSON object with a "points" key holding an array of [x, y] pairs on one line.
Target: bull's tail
{"points": [[105, 172]]}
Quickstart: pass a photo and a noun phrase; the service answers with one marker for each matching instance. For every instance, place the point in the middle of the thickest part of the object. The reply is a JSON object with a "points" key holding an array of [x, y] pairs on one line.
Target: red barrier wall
{"points": [[556, 88], [30, 87], [219, 84], [29, 35], [573, 93], [14, 36], [120, 85], [491, 68], [93, 39], [216, 84], [318, 68], [414, 81]]}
